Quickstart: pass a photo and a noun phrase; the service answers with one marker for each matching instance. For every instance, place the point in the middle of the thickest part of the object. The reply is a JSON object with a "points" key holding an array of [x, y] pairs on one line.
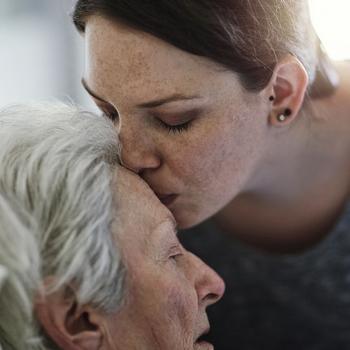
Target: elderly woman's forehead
{"points": [[126, 180]]}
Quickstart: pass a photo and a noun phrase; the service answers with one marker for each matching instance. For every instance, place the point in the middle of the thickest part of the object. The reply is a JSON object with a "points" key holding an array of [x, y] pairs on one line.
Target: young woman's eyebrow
{"points": [[90, 92], [151, 104], [175, 97]]}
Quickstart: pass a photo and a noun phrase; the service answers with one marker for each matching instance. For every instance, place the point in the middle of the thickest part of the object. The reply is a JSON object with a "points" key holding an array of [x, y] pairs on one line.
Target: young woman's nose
{"points": [[209, 285], [138, 151]]}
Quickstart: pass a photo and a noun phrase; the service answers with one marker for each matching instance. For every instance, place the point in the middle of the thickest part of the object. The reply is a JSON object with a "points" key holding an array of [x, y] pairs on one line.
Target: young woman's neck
{"points": [[302, 184]]}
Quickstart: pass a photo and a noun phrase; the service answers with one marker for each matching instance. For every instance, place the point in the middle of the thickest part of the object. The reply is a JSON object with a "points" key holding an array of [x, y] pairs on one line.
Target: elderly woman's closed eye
{"points": [[103, 268]]}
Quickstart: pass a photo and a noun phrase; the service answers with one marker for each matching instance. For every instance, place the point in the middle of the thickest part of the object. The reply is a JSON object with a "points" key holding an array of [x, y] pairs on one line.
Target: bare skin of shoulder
{"points": [[293, 203]]}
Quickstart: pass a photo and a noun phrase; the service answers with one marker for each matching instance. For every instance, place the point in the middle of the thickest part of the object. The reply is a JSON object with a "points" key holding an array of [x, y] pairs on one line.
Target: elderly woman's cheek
{"points": [[171, 312], [185, 309]]}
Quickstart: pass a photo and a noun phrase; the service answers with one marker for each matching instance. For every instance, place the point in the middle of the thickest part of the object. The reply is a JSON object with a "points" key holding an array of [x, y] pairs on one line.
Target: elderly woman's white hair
{"points": [[19, 277], [55, 171]]}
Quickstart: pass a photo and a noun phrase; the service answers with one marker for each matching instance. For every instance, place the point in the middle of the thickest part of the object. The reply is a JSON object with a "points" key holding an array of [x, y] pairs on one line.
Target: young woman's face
{"points": [[187, 126]]}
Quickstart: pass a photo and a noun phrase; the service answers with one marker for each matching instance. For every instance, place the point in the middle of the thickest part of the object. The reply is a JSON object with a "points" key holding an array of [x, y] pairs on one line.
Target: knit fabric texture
{"points": [[289, 302]]}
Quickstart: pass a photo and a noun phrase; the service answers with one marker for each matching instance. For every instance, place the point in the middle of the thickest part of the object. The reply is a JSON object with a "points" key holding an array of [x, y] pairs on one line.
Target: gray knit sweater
{"points": [[294, 302]]}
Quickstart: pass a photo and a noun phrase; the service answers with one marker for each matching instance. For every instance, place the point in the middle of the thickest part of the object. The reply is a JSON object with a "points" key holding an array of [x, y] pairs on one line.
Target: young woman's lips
{"points": [[167, 199]]}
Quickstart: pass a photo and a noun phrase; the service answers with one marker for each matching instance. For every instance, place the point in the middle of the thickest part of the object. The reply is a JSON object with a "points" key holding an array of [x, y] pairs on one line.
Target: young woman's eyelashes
{"points": [[180, 122], [114, 116], [174, 128]]}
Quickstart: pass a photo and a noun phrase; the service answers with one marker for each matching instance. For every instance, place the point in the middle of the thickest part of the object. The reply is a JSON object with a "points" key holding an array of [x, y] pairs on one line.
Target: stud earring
{"points": [[271, 98], [282, 117], [287, 112]]}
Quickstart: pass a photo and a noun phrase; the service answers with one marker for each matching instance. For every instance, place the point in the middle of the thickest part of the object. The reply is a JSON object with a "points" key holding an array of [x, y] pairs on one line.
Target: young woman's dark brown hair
{"points": [[232, 111], [248, 36]]}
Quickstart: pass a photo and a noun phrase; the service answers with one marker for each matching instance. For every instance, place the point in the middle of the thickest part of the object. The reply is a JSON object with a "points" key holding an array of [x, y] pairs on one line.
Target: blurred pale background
{"points": [[41, 55]]}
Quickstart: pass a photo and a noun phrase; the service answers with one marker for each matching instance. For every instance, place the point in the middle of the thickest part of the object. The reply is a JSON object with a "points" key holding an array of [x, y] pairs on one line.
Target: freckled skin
{"points": [[166, 297], [207, 165]]}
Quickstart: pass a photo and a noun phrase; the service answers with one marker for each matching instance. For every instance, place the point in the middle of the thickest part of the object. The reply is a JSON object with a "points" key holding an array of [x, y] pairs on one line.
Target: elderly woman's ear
{"points": [[286, 91], [70, 325]]}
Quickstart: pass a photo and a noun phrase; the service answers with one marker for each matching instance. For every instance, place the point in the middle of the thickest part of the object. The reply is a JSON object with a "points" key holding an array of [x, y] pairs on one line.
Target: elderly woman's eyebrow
{"points": [[168, 218]]}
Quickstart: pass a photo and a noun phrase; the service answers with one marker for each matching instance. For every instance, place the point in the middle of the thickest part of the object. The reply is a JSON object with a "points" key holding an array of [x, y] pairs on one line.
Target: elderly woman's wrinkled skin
{"points": [[168, 287]]}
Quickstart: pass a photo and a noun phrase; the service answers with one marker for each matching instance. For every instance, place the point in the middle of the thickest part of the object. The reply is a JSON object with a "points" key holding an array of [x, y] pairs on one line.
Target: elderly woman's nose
{"points": [[138, 151], [209, 285]]}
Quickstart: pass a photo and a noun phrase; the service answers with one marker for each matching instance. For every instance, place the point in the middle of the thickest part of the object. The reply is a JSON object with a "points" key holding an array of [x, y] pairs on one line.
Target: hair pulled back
{"points": [[247, 36]]}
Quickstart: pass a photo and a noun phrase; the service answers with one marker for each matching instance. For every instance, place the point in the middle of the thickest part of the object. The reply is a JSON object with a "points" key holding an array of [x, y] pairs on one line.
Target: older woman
{"points": [[231, 109], [113, 273], [19, 276]]}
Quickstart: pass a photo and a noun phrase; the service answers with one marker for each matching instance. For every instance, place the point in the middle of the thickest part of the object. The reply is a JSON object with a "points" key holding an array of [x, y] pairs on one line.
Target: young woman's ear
{"points": [[66, 322], [286, 91]]}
